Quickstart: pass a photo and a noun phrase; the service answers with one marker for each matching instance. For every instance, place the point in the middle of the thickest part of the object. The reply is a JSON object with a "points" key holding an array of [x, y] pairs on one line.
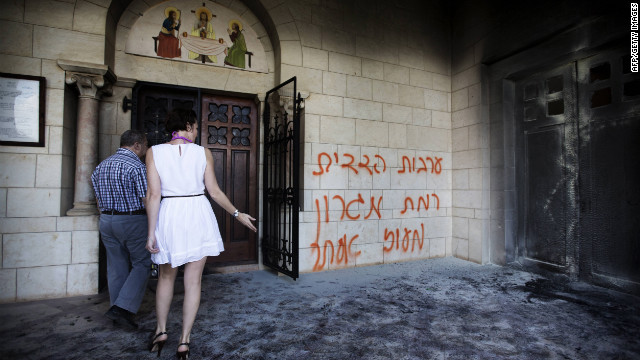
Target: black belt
{"points": [[176, 196], [134, 212]]}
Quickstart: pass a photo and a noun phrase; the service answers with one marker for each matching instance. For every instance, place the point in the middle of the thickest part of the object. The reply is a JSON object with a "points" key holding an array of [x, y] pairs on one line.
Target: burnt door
{"points": [[546, 119], [610, 170], [229, 129]]}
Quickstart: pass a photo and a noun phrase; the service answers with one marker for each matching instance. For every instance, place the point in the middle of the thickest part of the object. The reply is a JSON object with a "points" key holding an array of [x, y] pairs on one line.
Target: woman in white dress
{"points": [[182, 226]]}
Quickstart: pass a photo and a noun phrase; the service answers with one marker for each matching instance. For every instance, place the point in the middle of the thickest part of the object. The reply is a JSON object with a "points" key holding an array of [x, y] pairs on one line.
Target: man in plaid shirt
{"points": [[120, 185]]}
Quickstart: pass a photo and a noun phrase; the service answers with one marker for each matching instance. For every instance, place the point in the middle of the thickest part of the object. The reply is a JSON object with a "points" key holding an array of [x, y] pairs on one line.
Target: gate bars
{"points": [[281, 203]]}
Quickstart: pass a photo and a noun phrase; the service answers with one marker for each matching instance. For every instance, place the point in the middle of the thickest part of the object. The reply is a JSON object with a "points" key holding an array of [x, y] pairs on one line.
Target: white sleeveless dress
{"points": [[187, 229]]}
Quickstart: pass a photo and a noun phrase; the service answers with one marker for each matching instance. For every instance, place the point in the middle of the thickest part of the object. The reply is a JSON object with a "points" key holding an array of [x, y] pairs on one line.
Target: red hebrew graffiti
{"points": [[375, 208], [384, 164], [405, 205], [405, 240], [344, 208], [349, 163], [422, 201], [322, 171], [409, 239], [365, 165], [409, 165], [437, 198], [359, 200], [344, 251]]}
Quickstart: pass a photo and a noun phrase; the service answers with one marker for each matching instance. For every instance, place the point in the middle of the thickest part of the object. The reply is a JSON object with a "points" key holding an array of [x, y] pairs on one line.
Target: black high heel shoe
{"points": [[157, 345], [183, 355]]}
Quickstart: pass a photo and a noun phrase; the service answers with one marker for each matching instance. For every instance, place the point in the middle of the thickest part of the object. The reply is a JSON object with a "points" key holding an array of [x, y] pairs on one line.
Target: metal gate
{"points": [[282, 169]]}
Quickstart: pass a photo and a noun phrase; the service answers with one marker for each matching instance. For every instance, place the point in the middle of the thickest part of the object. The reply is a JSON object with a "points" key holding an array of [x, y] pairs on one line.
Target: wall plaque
{"points": [[22, 102]]}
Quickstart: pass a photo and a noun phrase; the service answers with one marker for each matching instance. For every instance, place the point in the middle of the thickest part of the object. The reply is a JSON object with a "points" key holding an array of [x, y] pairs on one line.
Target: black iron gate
{"points": [[281, 173]]}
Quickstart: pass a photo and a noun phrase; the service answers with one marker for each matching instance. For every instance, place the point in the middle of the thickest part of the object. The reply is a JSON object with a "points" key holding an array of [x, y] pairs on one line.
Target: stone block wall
{"points": [[44, 253], [377, 154]]}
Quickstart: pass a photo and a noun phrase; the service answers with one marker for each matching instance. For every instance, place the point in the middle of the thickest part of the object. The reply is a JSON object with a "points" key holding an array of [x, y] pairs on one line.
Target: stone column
{"points": [[92, 82]]}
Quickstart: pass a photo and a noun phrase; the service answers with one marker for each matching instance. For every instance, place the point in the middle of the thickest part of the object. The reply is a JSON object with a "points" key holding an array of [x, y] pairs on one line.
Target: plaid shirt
{"points": [[120, 182]]}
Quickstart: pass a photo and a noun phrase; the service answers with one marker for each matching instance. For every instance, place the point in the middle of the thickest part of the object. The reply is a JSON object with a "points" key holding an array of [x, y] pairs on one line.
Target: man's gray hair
{"points": [[130, 137]]}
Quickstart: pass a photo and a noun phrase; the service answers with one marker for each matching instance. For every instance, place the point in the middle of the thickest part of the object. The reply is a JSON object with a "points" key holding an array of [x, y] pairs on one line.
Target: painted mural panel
{"points": [[198, 32]]}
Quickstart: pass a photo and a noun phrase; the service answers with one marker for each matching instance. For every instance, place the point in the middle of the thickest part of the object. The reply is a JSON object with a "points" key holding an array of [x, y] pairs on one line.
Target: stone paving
{"points": [[432, 309]]}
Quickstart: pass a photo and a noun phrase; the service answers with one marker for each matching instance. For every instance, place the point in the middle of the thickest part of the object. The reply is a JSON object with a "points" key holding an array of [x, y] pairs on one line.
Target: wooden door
{"points": [[229, 129]]}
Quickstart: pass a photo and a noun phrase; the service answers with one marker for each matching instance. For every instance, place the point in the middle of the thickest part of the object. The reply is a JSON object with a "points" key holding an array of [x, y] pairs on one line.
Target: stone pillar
{"points": [[92, 82]]}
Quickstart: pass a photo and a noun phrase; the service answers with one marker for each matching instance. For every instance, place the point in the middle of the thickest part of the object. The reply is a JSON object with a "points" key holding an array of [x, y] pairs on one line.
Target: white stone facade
{"points": [[395, 150]]}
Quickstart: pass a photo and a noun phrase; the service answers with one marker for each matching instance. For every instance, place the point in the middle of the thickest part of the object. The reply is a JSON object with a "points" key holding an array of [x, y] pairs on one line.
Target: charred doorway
{"points": [[229, 129], [577, 170]]}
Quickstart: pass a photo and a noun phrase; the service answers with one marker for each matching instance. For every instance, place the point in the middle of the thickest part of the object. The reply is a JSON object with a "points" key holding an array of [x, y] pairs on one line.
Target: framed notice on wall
{"points": [[22, 100]]}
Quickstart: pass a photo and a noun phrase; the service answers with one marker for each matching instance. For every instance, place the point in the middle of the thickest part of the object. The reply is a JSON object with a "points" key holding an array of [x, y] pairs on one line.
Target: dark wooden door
{"points": [[546, 117], [229, 129]]}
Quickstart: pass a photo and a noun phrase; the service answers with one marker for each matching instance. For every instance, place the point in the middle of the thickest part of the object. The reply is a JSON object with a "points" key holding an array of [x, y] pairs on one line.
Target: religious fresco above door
{"points": [[199, 32]]}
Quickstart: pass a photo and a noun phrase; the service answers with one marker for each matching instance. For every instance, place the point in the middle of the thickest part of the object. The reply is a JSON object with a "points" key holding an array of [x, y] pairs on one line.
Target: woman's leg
{"points": [[192, 277], [164, 295]]}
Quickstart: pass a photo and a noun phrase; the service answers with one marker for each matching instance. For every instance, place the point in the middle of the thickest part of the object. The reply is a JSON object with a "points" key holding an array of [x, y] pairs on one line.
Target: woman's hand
{"points": [[151, 245], [246, 219]]}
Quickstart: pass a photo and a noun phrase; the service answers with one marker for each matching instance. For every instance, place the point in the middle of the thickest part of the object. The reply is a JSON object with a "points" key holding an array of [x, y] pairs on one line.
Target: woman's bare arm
{"points": [[153, 201]]}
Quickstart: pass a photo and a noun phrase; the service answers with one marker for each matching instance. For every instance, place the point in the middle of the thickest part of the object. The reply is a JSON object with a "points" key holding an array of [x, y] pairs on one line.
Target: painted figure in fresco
{"points": [[168, 43], [203, 28], [235, 54]]}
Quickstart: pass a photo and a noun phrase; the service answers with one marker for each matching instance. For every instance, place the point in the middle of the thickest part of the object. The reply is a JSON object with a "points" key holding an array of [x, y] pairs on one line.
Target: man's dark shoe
{"points": [[121, 317]]}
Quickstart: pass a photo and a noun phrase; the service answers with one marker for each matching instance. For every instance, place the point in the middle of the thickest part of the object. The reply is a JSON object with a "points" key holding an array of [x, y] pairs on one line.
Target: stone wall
{"points": [[378, 166], [44, 253]]}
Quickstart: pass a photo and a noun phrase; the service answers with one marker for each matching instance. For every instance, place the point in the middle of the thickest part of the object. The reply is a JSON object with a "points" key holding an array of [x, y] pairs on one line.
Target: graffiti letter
{"points": [[374, 208], [349, 164], [366, 166], [421, 240], [322, 171], [387, 234], [426, 204], [406, 240], [416, 236], [437, 198], [317, 242], [342, 250], [344, 209], [326, 210], [404, 167], [438, 166], [405, 205], [430, 160], [375, 166], [424, 166], [360, 200], [351, 242]]}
